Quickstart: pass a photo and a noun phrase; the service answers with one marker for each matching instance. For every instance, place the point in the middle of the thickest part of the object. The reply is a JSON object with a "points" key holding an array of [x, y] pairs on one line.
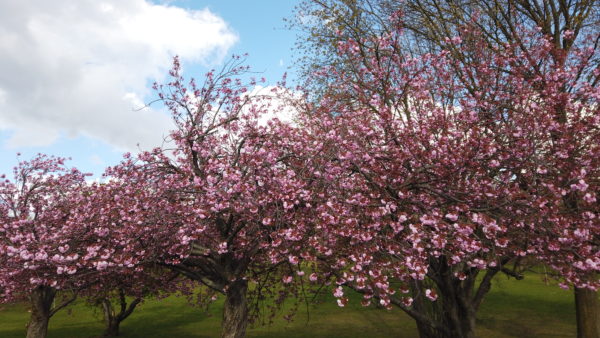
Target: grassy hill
{"points": [[527, 308]]}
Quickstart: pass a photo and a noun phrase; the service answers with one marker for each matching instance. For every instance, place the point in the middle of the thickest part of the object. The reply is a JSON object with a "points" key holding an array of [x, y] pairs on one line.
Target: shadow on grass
{"points": [[527, 308]]}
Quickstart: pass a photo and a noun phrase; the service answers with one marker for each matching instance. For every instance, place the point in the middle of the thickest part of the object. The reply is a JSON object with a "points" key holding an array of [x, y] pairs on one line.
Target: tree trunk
{"points": [[41, 311], [421, 305], [588, 314], [453, 314], [426, 331], [457, 323], [111, 318], [235, 311], [112, 329]]}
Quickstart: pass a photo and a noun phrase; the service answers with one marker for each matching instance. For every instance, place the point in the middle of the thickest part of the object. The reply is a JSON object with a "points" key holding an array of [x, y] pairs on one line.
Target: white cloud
{"points": [[2, 96], [282, 103], [83, 67]]}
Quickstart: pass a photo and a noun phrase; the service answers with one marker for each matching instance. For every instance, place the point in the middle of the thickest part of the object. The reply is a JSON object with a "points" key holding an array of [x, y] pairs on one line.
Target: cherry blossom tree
{"points": [[37, 259], [218, 203], [436, 185], [98, 227], [52, 244], [428, 26]]}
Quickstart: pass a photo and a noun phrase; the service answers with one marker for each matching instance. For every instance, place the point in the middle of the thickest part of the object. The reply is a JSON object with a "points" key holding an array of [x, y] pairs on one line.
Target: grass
{"points": [[526, 308]]}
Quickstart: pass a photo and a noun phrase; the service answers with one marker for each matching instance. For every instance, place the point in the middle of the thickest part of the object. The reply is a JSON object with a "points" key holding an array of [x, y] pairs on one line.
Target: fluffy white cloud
{"points": [[82, 67], [282, 103]]}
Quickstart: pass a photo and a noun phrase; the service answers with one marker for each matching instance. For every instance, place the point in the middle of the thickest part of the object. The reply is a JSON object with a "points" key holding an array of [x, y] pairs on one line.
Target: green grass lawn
{"points": [[526, 308]]}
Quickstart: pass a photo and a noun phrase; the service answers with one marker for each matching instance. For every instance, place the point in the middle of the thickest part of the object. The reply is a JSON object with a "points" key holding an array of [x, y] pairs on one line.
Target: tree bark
{"points": [[112, 328], [587, 312], [457, 322], [111, 318], [453, 314], [41, 311], [235, 311]]}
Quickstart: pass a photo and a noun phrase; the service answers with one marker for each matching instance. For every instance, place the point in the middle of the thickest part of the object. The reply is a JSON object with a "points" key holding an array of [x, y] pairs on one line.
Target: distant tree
{"points": [[52, 243], [97, 226], [429, 24], [37, 256]]}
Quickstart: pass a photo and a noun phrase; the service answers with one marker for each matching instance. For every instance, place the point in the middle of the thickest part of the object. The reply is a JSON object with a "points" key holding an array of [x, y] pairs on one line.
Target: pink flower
{"points": [[102, 265], [293, 259], [339, 292], [452, 217], [222, 248], [431, 294]]}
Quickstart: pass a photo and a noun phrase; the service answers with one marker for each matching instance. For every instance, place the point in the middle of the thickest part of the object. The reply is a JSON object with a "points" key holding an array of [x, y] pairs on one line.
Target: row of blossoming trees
{"points": [[412, 189]]}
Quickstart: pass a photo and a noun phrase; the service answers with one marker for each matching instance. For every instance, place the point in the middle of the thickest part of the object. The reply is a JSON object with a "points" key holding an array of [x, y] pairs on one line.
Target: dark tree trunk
{"points": [[112, 328], [111, 318], [457, 327], [235, 311], [41, 311], [454, 317], [588, 314], [453, 314]]}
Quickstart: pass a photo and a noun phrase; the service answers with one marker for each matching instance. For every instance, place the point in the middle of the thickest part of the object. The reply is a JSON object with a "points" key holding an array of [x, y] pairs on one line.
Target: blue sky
{"points": [[261, 29], [73, 73]]}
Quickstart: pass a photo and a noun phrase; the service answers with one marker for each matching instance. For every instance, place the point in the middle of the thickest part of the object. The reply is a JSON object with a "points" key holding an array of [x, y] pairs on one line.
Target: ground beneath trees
{"points": [[528, 308]]}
